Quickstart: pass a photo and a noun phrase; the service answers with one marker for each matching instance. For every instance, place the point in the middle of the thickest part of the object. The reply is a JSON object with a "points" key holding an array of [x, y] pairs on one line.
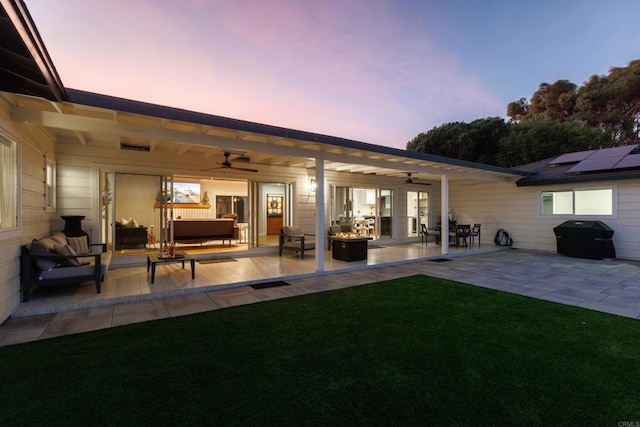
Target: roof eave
{"points": [[27, 32], [524, 182], [172, 113]]}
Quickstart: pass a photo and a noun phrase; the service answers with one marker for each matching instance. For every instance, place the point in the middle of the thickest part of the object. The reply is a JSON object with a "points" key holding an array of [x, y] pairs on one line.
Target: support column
{"points": [[444, 213], [320, 214]]}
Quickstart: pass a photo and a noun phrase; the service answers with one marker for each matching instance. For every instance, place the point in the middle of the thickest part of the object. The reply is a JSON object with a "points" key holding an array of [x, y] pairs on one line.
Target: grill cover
{"points": [[585, 239]]}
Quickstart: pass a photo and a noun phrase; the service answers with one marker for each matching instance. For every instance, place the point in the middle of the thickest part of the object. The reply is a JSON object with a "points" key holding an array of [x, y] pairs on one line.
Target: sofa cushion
{"points": [[293, 230], [79, 244], [129, 223], [38, 248], [69, 272]]}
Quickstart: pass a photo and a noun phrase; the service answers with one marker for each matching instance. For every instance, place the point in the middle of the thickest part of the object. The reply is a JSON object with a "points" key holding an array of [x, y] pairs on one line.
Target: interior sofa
{"points": [[130, 237], [58, 259], [198, 231]]}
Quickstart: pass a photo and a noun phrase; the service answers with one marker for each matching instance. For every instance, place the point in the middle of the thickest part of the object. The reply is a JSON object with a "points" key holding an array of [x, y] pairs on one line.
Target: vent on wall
{"points": [[124, 146]]}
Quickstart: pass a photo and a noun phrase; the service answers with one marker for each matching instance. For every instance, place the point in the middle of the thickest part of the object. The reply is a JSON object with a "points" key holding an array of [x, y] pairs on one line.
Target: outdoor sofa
{"points": [[59, 260]]}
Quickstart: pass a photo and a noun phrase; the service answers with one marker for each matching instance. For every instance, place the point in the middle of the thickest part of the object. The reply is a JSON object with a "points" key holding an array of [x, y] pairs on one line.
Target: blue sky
{"points": [[376, 71]]}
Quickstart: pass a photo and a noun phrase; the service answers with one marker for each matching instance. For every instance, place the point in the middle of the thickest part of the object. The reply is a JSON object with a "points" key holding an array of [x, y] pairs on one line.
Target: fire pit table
{"points": [[348, 248]]}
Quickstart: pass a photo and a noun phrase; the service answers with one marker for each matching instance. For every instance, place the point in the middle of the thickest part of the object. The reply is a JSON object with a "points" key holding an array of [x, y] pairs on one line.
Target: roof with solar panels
{"points": [[605, 164]]}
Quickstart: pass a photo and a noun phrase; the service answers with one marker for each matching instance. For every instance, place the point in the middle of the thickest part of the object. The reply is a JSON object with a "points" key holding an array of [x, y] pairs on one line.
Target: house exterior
{"points": [[71, 152]]}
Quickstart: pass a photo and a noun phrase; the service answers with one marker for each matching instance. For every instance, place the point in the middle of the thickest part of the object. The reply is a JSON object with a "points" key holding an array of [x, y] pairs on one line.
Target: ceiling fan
{"points": [[227, 165], [411, 181]]}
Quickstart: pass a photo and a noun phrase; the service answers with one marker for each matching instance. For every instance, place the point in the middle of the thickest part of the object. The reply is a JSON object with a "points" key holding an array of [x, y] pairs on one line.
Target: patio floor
{"points": [[611, 286]]}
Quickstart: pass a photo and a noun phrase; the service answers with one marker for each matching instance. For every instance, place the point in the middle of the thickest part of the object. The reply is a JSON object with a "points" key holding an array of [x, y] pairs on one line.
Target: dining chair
{"points": [[462, 233], [370, 224], [360, 227], [425, 233], [475, 232]]}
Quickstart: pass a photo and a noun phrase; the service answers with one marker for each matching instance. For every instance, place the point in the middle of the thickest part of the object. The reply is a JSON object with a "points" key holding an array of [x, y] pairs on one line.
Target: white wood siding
{"points": [[34, 221], [497, 205]]}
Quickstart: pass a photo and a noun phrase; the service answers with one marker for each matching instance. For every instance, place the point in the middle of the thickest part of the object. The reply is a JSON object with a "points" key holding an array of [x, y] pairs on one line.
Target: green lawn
{"points": [[412, 351]]}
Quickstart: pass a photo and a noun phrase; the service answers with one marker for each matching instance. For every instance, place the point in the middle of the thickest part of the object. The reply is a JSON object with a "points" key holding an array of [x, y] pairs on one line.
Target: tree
{"points": [[533, 140], [610, 102], [613, 102], [559, 118], [553, 101], [517, 110], [476, 141]]}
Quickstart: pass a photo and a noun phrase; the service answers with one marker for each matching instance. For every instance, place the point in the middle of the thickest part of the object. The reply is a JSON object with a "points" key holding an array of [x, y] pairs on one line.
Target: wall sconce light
{"points": [[312, 185], [205, 198]]}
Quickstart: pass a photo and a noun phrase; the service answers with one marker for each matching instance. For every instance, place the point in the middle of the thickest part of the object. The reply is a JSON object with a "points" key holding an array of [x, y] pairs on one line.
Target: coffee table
{"points": [[155, 259]]}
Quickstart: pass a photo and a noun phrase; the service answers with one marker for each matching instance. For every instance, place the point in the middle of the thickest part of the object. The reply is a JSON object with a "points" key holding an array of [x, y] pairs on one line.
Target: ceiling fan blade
{"points": [[243, 169], [410, 180]]}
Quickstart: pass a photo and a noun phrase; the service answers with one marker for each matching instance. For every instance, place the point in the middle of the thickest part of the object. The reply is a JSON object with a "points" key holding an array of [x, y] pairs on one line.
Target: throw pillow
{"points": [[67, 250], [125, 222], [42, 264], [60, 238], [134, 223], [48, 243], [79, 244]]}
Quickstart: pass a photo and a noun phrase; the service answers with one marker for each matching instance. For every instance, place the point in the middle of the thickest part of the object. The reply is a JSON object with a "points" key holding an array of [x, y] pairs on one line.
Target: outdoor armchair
{"points": [[294, 239], [425, 233]]}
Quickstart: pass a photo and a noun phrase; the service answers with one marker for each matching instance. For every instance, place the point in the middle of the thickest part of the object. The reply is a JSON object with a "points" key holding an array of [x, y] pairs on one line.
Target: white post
{"points": [[444, 213], [320, 211]]}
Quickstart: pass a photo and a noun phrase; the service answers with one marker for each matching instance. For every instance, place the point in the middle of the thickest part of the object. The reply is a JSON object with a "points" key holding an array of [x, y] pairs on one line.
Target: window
{"points": [[8, 183], [50, 185], [579, 202]]}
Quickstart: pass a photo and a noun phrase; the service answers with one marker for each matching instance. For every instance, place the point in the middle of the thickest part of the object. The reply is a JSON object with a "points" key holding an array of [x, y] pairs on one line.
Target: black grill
{"points": [[585, 239]]}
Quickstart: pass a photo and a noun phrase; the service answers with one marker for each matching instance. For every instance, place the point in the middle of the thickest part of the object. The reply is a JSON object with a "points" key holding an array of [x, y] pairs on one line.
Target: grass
{"points": [[410, 351]]}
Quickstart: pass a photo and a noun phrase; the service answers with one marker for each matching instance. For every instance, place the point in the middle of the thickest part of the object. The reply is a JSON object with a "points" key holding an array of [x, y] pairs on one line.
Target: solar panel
{"points": [[613, 152], [630, 161], [598, 164], [605, 159], [571, 157]]}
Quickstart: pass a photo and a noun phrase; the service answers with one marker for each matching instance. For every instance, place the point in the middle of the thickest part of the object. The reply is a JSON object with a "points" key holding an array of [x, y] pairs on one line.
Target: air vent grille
{"points": [[132, 147]]}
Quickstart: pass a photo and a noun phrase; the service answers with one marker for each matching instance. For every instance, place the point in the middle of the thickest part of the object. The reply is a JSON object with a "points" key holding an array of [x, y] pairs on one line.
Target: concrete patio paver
{"points": [[611, 286]]}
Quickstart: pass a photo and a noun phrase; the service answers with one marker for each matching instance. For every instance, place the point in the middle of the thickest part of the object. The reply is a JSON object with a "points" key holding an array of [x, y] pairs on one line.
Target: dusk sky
{"points": [[374, 71]]}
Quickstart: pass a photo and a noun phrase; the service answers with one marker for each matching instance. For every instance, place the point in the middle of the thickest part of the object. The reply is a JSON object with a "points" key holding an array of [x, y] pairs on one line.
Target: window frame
{"points": [[14, 231], [573, 190], [50, 187]]}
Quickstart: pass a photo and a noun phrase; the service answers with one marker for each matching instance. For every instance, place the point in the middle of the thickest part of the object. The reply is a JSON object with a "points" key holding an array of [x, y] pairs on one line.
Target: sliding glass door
{"points": [[368, 210], [385, 212], [417, 212]]}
